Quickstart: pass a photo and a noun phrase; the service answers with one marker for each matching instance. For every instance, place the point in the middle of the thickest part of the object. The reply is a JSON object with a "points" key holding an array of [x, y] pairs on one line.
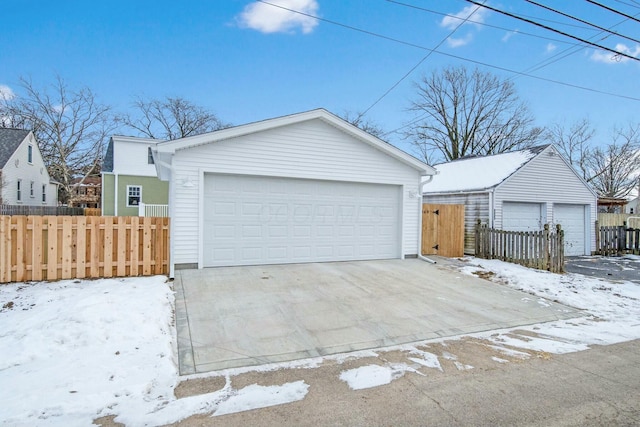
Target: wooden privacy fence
{"points": [[543, 250], [69, 247], [617, 240]]}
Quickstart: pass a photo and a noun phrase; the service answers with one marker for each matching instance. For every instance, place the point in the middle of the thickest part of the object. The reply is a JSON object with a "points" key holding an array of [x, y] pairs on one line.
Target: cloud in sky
{"points": [[508, 35], [452, 22], [551, 47], [271, 19], [6, 93], [459, 41], [611, 58]]}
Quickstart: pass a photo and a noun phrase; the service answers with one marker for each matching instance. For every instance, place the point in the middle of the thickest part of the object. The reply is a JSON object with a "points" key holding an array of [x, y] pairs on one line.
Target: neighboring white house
{"points": [[633, 206], [301, 188], [129, 177], [24, 178], [520, 191]]}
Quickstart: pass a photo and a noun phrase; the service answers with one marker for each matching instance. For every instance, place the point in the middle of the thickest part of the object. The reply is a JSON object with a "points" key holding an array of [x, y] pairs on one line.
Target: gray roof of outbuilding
{"points": [[10, 139]]}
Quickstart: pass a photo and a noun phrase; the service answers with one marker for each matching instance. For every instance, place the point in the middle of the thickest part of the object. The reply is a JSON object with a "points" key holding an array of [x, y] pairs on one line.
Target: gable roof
{"points": [[480, 173], [10, 139], [108, 163], [164, 150]]}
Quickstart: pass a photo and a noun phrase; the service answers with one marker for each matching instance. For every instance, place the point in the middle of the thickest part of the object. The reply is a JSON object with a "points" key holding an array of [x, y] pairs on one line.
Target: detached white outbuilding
{"points": [[519, 191], [307, 187]]}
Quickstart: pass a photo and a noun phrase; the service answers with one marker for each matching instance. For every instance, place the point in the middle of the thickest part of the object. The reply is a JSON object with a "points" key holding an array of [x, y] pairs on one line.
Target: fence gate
{"points": [[443, 230]]}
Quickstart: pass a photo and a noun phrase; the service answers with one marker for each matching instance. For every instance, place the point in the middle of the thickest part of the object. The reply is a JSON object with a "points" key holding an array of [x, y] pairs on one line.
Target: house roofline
{"points": [[166, 149]]}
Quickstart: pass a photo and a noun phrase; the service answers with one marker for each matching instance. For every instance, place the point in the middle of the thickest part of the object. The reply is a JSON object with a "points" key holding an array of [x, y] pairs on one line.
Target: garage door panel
{"points": [[572, 219], [292, 220], [517, 216]]}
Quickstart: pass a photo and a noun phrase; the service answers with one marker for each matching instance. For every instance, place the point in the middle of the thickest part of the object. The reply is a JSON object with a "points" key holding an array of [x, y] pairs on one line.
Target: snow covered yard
{"points": [[74, 351]]}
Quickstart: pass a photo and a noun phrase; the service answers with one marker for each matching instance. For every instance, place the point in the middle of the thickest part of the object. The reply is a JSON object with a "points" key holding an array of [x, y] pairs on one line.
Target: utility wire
{"points": [[613, 10], [581, 20], [484, 24], [460, 24], [484, 64], [546, 27]]}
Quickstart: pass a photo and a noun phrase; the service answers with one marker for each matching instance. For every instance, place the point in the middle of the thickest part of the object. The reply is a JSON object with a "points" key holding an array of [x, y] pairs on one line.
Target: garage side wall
{"points": [[476, 206], [549, 180], [307, 150]]}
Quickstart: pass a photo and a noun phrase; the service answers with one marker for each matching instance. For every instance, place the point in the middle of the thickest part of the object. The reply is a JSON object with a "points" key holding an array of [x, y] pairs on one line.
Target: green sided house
{"points": [[130, 186]]}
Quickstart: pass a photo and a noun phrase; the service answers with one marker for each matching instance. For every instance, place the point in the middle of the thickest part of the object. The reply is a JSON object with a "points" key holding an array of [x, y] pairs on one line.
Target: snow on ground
{"points": [[73, 351], [374, 375], [612, 310]]}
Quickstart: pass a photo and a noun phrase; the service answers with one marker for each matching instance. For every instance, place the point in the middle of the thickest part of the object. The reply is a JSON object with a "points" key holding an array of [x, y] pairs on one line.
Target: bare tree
{"points": [[614, 169], [358, 120], [71, 127], [461, 113], [574, 143], [170, 118]]}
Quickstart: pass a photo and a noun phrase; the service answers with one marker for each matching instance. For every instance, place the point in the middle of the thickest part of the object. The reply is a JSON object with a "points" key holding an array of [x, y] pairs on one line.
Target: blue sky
{"points": [[248, 61]]}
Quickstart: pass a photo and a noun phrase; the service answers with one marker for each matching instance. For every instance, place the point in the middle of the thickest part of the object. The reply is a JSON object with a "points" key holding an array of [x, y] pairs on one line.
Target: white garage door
{"points": [[251, 220], [572, 220], [518, 216]]}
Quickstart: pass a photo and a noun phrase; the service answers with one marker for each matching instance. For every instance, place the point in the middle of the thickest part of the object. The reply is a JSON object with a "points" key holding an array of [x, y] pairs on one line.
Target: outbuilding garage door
{"points": [[518, 216], [572, 220], [250, 220]]}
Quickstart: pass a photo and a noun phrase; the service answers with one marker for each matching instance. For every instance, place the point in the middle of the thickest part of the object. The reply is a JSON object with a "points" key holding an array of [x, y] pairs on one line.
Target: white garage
{"points": [[520, 191], [309, 187]]}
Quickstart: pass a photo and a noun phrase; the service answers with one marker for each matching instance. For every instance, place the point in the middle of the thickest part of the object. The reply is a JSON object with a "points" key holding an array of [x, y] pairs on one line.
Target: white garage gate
{"points": [[519, 216], [252, 220], [572, 218]]}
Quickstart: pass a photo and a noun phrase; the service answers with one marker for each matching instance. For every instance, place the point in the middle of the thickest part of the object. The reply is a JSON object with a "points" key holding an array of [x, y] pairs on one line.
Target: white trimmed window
{"points": [[30, 154], [134, 195], [149, 156], [19, 190], [32, 189], [44, 193]]}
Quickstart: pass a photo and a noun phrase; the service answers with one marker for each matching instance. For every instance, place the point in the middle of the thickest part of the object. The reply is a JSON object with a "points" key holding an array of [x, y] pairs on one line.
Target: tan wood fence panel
{"points": [[443, 230], [617, 220], [67, 247]]}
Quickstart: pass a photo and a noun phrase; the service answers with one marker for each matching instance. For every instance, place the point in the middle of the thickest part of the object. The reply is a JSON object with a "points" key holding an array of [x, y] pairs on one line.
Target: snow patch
{"points": [[373, 375], [257, 396]]}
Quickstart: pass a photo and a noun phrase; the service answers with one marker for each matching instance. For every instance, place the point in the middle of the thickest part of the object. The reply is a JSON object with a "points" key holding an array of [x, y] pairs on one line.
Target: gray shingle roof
{"points": [[10, 139]]}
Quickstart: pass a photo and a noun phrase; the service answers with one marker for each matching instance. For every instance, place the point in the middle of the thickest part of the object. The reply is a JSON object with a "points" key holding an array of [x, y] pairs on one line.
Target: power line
{"points": [[546, 27], [460, 24], [581, 20], [484, 24], [484, 64], [613, 10]]}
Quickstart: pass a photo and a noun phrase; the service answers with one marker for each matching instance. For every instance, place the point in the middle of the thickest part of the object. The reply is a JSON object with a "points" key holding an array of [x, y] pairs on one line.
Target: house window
{"points": [[32, 193], [44, 193], [30, 154], [19, 191], [134, 195], [149, 156]]}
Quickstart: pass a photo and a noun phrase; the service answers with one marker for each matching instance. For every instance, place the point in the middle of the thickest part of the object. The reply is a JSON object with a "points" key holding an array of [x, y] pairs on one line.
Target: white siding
{"points": [[311, 149], [549, 180], [19, 168], [476, 206], [130, 157]]}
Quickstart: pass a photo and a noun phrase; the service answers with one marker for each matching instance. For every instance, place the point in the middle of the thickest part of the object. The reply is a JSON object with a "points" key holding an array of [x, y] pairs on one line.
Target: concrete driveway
{"points": [[240, 316]]}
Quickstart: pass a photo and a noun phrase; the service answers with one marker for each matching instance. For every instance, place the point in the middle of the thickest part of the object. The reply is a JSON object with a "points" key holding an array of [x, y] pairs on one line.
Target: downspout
{"points": [[420, 193]]}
